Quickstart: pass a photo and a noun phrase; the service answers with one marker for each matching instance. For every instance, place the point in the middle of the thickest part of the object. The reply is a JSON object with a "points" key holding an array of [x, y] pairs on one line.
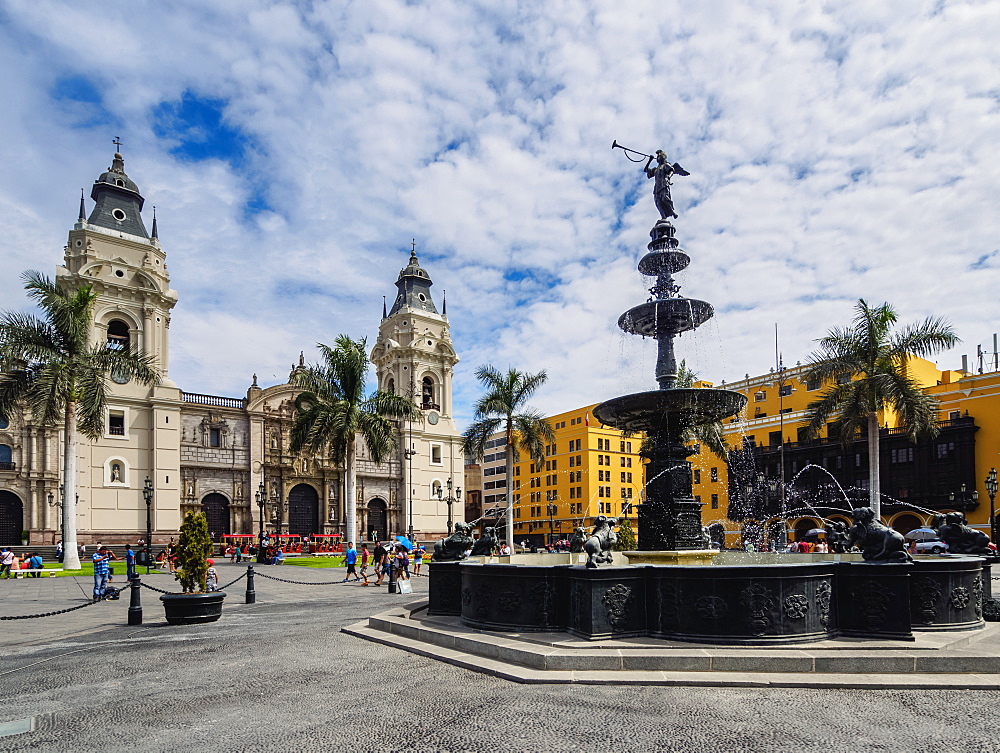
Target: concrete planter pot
{"points": [[188, 609]]}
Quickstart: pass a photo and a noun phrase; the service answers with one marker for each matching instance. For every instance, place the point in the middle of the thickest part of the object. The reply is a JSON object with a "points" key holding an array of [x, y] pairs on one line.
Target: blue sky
{"points": [[292, 150]]}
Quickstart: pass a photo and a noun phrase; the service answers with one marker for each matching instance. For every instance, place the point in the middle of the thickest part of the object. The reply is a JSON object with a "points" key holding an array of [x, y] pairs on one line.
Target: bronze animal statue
{"points": [[836, 536], [602, 540], [717, 535], [579, 539], [455, 546], [961, 538], [485, 544], [877, 542]]}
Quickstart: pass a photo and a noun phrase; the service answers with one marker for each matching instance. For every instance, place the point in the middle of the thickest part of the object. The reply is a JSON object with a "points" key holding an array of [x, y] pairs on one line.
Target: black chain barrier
{"points": [[297, 582], [106, 597], [223, 588], [154, 588]]}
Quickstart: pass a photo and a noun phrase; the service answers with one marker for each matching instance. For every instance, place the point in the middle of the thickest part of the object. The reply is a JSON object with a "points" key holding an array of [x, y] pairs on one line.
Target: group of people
{"points": [[387, 558], [10, 562]]}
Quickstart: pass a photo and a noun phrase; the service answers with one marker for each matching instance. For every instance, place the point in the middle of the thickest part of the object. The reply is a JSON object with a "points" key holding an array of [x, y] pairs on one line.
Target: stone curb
{"points": [[958, 665]]}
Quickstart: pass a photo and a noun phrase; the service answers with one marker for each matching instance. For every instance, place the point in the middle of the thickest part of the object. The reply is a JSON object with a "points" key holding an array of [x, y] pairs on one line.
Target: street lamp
{"points": [[57, 503], [261, 498], [551, 509], [450, 500], [147, 494], [966, 500], [277, 512], [991, 489]]}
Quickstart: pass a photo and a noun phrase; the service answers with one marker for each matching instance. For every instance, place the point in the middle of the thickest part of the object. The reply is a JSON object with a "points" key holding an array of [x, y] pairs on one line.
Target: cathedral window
{"points": [[427, 401], [118, 336], [116, 423]]}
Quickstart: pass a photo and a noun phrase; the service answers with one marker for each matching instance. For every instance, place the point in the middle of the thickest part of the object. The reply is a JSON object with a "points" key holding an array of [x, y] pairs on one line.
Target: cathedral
{"points": [[226, 456]]}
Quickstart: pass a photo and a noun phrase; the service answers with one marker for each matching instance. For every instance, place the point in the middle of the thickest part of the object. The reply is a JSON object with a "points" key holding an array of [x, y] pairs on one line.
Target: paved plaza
{"points": [[279, 675]]}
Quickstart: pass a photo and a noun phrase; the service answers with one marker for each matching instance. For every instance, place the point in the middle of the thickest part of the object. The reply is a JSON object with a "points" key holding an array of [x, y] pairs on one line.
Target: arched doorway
{"points": [[907, 522], [378, 520], [11, 519], [803, 526], [303, 510], [216, 509]]}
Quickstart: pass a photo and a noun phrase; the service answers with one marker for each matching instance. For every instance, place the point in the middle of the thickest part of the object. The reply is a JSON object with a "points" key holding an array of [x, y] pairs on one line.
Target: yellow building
{"points": [[589, 470], [823, 480]]}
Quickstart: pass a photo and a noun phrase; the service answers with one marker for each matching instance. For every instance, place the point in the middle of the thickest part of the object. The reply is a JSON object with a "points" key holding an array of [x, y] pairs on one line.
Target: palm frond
{"points": [[478, 434], [532, 433]]}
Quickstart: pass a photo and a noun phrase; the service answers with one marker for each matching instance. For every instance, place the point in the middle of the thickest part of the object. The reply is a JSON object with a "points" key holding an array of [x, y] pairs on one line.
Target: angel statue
{"points": [[663, 172]]}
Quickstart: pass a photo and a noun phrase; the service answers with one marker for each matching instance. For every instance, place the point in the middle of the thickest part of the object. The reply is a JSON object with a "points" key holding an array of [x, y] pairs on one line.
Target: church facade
{"points": [[222, 455]]}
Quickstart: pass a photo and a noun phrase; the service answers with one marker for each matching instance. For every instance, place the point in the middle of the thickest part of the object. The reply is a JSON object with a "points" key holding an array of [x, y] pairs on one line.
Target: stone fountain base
{"points": [[751, 604]]}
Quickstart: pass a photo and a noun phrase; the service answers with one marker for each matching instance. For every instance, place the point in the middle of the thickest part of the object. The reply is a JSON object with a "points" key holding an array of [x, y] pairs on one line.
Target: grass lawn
{"points": [[328, 561]]}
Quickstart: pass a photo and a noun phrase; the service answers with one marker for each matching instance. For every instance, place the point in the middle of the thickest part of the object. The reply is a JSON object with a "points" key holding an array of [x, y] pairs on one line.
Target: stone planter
{"points": [[188, 609]]}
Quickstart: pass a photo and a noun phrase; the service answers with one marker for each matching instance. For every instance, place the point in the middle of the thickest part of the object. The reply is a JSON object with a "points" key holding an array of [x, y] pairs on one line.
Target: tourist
{"points": [[35, 563], [379, 555], [504, 549], [418, 559], [365, 557], [400, 563], [350, 559], [59, 552], [211, 577], [231, 553], [6, 562], [279, 556], [239, 553], [129, 562], [100, 560]]}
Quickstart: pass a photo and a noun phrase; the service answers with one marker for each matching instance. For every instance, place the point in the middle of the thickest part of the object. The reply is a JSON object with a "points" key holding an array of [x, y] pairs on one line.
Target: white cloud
{"points": [[836, 152]]}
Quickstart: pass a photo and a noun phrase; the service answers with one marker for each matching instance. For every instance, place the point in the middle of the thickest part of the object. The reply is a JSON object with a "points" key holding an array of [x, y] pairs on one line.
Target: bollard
{"points": [[134, 603], [251, 594], [392, 578]]}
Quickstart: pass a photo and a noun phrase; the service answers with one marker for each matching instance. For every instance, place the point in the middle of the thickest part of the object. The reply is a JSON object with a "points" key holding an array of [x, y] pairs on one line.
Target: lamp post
{"points": [[261, 498], [277, 512], [965, 500], [991, 489], [57, 503], [147, 494], [551, 510]]}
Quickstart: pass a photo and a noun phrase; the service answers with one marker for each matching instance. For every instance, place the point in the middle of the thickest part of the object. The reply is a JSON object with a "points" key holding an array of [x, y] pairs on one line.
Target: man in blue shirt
{"points": [[350, 559], [100, 559], [129, 563]]}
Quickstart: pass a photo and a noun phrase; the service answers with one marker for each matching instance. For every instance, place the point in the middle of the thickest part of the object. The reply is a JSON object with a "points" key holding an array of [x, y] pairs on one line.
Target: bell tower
{"points": [[414, 356], [111, 251]]}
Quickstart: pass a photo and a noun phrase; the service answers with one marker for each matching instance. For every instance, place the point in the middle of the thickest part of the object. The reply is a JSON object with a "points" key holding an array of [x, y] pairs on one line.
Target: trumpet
{"points": [[616, 145]]}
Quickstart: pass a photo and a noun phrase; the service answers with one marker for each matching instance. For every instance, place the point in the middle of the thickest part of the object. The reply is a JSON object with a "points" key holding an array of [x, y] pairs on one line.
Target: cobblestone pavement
{"points": [[278, 675]]}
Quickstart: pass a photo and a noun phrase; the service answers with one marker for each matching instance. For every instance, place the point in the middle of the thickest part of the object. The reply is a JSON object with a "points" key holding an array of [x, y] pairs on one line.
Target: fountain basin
{"points": [[667, 316], [742, 604], [675, 408]]}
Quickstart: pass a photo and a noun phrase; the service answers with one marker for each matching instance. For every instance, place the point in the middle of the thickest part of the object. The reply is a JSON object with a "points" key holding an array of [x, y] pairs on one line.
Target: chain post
{"points": [[134, 603], [251, 593]]}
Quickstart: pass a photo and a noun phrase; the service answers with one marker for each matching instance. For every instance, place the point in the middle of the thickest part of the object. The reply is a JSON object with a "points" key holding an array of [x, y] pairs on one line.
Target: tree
{"points": [[709, 434], [332, 411], [503, 408], [51, 367], [626, 538], [867, 363]]}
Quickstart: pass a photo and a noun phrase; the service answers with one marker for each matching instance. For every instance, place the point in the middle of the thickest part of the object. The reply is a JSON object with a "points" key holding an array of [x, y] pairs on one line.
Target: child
{"points": [[211, 577]]}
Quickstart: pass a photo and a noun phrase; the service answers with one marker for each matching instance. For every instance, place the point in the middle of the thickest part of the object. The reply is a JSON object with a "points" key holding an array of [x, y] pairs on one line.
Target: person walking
{"points": [[402, 563], [350, 559], [380, 555], [6, 560], [59, 552], [365, 557], [100, 560], [129, 563]]}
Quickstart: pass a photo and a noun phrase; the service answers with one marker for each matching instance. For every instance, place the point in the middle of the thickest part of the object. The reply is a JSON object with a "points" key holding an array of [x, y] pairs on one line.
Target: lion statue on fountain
{"points": [[598, 547], [455, 546]]}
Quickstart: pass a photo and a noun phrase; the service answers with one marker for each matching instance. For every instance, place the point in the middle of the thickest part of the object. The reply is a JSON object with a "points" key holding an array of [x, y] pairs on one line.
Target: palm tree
{"points": [[502, 408], [867, 362], [333, 411], [709, 434], [50, 365]]}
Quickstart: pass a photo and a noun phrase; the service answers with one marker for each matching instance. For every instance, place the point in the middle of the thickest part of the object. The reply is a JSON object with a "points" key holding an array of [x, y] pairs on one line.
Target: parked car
{"points": [[933, 546]]}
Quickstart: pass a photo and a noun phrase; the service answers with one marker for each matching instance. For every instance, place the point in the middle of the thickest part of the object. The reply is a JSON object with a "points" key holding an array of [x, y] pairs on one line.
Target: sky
{"points": [[836, 151]]}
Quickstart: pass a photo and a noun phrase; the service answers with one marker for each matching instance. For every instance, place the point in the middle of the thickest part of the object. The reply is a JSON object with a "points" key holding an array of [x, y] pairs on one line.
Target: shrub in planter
{"points": [[195, 604], [194, 549]]}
